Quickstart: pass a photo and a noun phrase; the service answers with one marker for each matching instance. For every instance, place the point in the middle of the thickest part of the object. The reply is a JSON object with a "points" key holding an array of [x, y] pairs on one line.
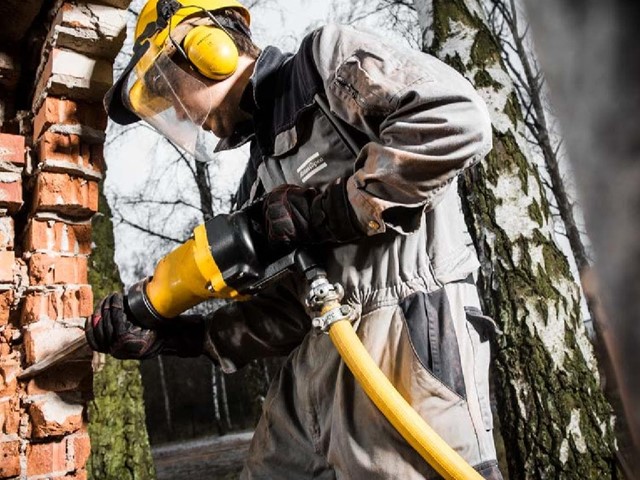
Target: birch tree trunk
{"points": [[555, 420]]}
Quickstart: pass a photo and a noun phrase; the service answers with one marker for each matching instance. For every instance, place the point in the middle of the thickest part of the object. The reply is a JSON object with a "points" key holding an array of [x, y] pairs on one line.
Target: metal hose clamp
{"points": [[341, 312]]}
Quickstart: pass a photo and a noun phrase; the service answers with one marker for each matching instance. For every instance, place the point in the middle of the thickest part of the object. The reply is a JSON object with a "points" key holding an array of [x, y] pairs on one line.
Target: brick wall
{"points": [[49, 173]]}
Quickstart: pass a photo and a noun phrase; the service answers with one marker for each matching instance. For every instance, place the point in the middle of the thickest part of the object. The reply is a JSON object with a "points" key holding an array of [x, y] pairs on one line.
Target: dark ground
{"points": [[215, 458]]}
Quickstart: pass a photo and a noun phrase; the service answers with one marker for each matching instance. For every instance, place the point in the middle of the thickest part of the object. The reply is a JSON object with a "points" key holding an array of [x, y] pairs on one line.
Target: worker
{"points": [[387, 220]]}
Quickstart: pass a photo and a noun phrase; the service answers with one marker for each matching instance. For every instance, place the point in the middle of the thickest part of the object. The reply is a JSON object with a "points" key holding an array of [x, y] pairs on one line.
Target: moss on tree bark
{"points": [[119, 443]]}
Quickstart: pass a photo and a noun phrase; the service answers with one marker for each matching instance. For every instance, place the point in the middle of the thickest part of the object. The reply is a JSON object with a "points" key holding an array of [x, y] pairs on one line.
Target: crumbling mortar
{"points": [[89, 135], [96, 22], [46, 47], [23, 432]]}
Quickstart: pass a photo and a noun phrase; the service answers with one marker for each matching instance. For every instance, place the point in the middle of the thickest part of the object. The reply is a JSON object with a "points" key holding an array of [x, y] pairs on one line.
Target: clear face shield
{"points": [[171, 100]]}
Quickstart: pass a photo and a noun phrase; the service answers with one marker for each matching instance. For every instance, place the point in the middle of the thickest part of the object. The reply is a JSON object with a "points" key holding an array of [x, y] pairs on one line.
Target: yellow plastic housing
{"points": [[211, 51], [186, 277]]}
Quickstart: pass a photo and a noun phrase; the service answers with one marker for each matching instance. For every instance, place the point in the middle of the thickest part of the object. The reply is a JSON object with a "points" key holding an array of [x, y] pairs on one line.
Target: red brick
{"points": [[65, 237], [9, 369], [81, 448], [45, 269], [63, 147], [9, 458], [97, 157], [44, 458], [12, 149], [60, 192], [77, 302], [70, 376], [77, 475], [11, 191], [58, 304], [6, 303], [52, 416], [73, 75], [45, 337], [7, 266], [55, 111], [9, 416], [7, 233], [67, 153]]}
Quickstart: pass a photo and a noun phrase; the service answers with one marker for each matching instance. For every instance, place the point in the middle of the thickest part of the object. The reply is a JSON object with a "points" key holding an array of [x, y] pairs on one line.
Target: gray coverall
{"points": [[419, 124]]}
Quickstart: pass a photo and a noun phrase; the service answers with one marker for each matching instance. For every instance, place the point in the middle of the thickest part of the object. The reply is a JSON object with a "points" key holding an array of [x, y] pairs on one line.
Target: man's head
{"points": [[192, 60]]}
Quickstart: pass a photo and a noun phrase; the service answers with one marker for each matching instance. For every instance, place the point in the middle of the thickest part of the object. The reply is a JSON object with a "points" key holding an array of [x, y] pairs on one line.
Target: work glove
{"points": [[112, 329], [294, 215]]}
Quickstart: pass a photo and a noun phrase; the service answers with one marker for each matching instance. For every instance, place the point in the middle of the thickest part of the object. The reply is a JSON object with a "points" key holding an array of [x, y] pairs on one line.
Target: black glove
{"points": [[112, 329], [298, 215]]}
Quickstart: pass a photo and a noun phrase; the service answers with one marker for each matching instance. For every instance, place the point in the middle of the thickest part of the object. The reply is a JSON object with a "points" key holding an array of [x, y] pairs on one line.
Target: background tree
{"points": [[119, 442], [591, 58], [554, 418], [507, 20]]}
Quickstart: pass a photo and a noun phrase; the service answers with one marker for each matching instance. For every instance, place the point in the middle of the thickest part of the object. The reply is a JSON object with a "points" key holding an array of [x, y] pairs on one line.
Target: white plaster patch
{"points": [[550, 334], [459, 42], [54, 409], [6, 232], [10, 177], [46, 337], [64, 243]]}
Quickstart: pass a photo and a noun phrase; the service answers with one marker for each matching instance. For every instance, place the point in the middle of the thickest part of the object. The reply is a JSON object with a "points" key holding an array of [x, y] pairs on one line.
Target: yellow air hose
{"points": [[395, 408], [181, 281]]}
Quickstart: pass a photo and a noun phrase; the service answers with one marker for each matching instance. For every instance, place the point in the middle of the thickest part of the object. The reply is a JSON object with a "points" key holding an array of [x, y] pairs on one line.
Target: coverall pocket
{"points": [[480, 330], [433, 338]]}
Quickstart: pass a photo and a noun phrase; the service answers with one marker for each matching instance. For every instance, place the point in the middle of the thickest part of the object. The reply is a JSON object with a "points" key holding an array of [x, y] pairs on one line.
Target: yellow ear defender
{"points": [[211, 51]]}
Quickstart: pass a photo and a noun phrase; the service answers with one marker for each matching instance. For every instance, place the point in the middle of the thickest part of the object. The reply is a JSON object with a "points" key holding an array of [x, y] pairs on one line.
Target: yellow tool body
{"points": [[186, 277], [220, 261]]}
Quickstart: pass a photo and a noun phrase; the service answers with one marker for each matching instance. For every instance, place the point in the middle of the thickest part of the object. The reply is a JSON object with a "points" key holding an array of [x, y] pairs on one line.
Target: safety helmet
{"points": [[154, 88]]}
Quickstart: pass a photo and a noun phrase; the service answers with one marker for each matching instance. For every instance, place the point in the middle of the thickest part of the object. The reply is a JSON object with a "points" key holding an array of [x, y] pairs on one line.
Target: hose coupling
{"points": [[321, 293], [340, 312], [324, 300]]}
